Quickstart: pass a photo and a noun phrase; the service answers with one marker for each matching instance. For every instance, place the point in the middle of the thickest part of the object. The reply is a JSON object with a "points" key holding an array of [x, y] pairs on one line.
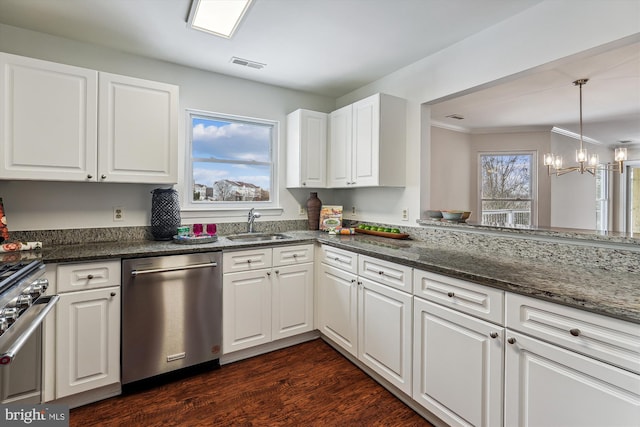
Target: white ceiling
{"points": [[332, 47]]}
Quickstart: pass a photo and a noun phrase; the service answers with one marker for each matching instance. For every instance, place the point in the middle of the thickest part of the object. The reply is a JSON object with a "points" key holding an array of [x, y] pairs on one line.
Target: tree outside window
{"points": [[507, 189], [231, 160]]}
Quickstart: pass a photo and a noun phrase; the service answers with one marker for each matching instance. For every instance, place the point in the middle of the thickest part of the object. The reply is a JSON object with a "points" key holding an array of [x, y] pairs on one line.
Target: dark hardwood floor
{"points": [[309, 384]]}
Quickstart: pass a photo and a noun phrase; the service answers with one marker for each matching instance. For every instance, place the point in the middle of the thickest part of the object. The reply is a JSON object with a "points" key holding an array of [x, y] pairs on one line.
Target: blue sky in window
{"points": [[231, 141]]}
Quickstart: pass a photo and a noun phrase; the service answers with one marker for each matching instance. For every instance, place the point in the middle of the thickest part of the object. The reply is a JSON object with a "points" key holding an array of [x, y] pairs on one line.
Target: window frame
{"points": [[271, 207], [534, 180]]}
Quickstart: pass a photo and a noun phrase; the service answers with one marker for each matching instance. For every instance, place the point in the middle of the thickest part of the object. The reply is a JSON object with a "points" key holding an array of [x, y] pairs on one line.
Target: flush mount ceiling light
{"points": [[217, 17], [586, 163]]}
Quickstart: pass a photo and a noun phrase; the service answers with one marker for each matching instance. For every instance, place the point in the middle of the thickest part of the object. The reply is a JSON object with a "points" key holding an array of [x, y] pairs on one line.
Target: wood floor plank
{"points": [[309, 384]]}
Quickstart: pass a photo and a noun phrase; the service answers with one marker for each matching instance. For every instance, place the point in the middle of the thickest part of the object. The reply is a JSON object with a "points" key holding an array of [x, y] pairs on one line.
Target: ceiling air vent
{"points": [[455, 116], [247, 63]]}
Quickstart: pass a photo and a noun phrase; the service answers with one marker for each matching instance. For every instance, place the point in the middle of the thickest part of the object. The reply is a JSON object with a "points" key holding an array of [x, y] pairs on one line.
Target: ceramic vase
{"points": [[165, 213], [313, 211]]}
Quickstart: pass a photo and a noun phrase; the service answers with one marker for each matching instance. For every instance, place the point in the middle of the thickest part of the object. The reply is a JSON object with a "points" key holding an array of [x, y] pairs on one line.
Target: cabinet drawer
{"points": [[387, 273], [289, 255], [88, 275], [246, 260], [340, 258], [605, 338], [471, 298]]}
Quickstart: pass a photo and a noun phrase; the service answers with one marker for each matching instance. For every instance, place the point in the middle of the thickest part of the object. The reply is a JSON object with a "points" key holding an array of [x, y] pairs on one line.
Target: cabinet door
{"points": [[246, 309], [292, 308], [384, 332], [338, 307], [87, 340], [458, 366], [366, 142], [306, 149], [340, 153], [546, 385], [138, 139], [48, 120]]}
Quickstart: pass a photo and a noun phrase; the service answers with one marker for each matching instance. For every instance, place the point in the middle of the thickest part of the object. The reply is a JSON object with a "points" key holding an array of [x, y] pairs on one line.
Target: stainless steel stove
{"points": [[23, 307]]}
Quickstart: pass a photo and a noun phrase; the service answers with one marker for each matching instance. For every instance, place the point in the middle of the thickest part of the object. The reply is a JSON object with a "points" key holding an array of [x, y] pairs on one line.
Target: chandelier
{"points": [[586, 163]]}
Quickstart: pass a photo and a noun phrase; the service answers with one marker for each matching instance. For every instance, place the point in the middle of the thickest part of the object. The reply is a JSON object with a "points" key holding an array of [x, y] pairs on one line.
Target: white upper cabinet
{"points": [[48, 120], [138, 133], [339, 148], [306, 149], [65, 123], [367, 143]]}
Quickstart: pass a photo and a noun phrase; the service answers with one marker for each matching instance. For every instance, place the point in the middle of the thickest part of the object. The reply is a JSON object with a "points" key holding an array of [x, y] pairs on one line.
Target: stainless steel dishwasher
{"points": [[171, 313]]}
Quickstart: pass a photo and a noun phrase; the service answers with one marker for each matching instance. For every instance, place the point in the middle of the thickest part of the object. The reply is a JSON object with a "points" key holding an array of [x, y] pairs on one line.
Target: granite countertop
{"points": [[614, 294]]}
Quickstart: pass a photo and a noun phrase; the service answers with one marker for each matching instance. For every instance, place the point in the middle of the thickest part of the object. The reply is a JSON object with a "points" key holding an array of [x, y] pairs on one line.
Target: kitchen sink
{"points": [[257, 237]]}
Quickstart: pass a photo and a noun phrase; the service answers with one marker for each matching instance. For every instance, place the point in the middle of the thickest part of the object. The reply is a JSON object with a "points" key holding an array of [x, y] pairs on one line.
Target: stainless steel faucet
{"points": [[251, 218]]}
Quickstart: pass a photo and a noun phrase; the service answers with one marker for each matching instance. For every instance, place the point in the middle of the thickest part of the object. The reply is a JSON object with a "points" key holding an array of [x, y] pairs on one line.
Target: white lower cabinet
{"points": [[384, 332], [292, 300], [246, 308], [88, 340], [339, 307], [569, 367], [546, 385], [260, 305], [87, 327], [457, 365], [370, 320]]}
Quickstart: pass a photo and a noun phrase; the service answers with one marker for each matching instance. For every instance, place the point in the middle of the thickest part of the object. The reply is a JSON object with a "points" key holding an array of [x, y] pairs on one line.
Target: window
{"points": [[232, 161], [507, 189], [602, 200]]}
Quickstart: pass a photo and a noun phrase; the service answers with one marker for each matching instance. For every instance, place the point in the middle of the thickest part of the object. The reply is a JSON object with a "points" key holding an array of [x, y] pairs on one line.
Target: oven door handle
{"points": [[26, 325]]}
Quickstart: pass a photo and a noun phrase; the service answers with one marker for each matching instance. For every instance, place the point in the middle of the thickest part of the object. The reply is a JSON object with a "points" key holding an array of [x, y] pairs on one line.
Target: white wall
{"points": [[549, 31], [55, 205], [450, 170], [573, 196]]}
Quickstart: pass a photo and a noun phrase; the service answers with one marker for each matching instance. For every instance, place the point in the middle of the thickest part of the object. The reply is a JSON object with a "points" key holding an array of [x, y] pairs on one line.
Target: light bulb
{"points": [[548, 159], [557, 162], [581, 155], [594, 160], [620, 154]]}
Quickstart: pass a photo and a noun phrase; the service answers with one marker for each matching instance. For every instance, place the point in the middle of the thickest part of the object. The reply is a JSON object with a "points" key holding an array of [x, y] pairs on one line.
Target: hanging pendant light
{"points": [[586, 163]]}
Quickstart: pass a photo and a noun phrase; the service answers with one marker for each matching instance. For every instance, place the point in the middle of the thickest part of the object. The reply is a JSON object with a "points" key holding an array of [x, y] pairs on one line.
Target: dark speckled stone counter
{"points": [[612, 293]]}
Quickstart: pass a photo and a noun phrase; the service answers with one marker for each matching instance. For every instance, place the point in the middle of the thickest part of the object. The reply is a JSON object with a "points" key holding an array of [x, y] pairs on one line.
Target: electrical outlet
{"points": [[118, 213], [353, 210], [301, 210], [405, 214]]}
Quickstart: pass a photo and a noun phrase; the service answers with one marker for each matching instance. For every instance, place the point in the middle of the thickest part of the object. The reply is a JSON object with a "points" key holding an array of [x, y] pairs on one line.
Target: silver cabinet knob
{"points": [[493, 335], [381, 272], [113, 294], [451, 294], [304, 183], [575, 332], [268, 273], [90, 276], [89, 176], [511, 340], [103, 176]]}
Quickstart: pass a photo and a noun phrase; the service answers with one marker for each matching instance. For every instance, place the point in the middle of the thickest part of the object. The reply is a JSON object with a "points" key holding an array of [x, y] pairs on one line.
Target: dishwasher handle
{"points": [[135, 273]]}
